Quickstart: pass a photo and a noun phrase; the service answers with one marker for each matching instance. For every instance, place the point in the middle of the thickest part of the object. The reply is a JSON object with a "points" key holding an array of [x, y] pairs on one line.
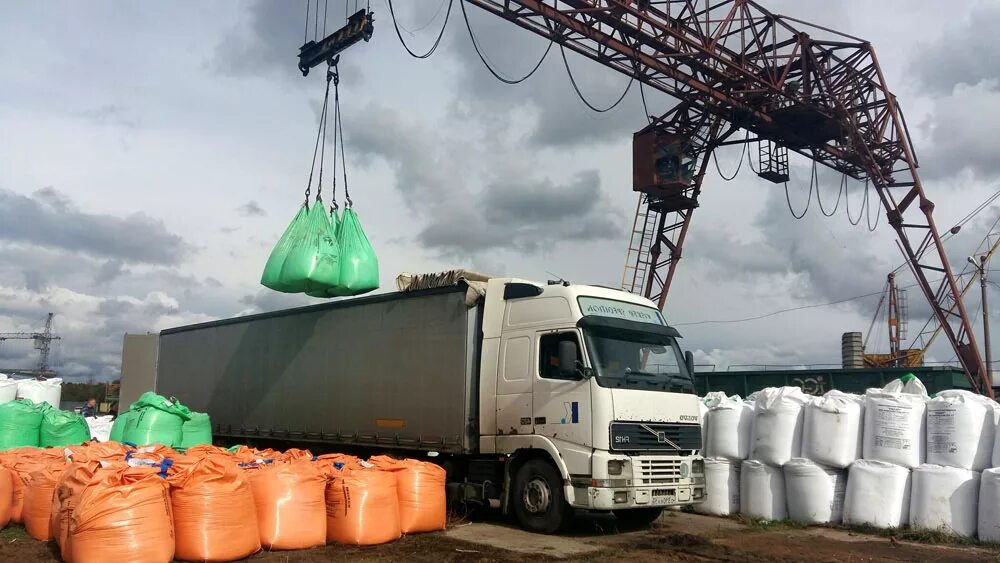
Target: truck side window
{"points": [[548, 354]]}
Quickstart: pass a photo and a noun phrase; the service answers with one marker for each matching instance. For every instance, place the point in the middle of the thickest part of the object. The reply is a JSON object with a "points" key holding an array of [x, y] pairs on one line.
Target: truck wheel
{"points": [[539, 502], [637, 517]]}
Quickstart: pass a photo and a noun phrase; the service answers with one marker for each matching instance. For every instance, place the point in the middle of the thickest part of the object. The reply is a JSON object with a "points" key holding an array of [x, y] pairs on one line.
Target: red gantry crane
{"points": [[786, 84]]}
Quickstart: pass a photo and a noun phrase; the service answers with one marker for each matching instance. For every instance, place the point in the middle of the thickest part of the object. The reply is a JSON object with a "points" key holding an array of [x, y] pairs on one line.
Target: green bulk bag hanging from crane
{"points": [[358, 262], [63, 428], [313, 261], [332, 233], [291, 238]]}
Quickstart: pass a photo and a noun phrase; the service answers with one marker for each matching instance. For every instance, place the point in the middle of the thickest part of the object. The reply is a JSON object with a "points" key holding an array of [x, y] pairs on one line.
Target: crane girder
{"points": [[810, 89]]}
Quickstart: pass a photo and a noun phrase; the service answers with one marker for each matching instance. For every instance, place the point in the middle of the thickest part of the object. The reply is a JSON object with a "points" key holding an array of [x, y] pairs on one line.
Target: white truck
{"points": [[538, 399]]}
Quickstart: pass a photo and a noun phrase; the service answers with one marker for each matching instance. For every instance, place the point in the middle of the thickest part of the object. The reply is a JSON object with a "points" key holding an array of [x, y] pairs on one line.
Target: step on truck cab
{"points": [[538, 398]]}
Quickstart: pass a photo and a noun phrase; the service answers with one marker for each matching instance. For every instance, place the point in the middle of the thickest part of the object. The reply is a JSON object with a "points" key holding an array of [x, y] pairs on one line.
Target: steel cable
{"points": [[819, 200], [715, 158], [482, 57], [436, 41], [808, 201], [562, 51]]}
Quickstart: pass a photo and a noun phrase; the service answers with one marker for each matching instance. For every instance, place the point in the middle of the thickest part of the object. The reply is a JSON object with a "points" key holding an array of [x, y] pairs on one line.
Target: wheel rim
{"points": [[537, 496]]}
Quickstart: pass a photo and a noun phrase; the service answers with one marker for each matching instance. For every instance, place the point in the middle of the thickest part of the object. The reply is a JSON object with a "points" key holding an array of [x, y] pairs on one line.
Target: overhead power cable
{"points": [[436, 41], [482, 57], [791, 309]]}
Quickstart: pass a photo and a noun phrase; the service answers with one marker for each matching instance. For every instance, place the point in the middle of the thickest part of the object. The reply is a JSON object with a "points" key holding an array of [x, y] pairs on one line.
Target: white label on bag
{"points": [[941, 431], [893, 427]]}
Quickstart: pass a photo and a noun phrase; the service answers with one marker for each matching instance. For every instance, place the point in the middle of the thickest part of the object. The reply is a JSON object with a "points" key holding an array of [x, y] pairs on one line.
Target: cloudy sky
{"points": [[152, 153]]}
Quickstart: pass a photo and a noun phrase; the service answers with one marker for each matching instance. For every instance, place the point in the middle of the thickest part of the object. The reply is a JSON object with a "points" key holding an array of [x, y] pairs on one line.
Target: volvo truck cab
{"points": [[586, 393]]}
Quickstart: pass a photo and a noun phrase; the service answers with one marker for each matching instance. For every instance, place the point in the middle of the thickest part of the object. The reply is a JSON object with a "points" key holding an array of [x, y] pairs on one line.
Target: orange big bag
{"points": [[123, 515], [21, 462], [38, 494], [215, 518], [74, 479], [291, 513], [6, 495], [362, 507], [423, 506]]}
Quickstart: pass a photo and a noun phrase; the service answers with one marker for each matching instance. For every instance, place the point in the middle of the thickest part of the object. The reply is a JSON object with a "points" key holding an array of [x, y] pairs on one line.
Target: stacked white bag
{"points": [[945, 498], [100, 427], [832, 429], [815, 494], [727, 429], [894, 430], [705, 403], [762, 491], [961, 427], [47, 390], [722, 488], [989, 505], [878, 494], [8, 389], [776, 436]]}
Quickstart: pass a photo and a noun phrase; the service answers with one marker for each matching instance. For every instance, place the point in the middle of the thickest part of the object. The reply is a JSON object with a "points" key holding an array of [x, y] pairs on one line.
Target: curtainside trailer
{"points": [[537, 398]]}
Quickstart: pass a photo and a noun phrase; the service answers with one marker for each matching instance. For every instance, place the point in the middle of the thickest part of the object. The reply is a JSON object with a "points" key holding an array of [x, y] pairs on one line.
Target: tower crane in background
{"points": [[733, 66], [42, 341]]}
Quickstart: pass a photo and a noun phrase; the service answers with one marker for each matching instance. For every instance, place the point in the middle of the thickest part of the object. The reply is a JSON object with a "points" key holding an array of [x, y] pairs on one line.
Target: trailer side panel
{"points": [[396, 371]]}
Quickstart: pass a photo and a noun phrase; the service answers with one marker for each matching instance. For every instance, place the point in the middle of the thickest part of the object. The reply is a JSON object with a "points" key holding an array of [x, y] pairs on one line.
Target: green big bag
{"points": [[154, 419], [358, 263], [196, 431], [20, 424], [118, 427], [291, 238], [63, 428], [314, 261]]}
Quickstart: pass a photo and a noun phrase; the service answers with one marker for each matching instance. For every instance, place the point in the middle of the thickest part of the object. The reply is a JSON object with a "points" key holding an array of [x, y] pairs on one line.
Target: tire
{"points": [[637, 518], [539, 501]]}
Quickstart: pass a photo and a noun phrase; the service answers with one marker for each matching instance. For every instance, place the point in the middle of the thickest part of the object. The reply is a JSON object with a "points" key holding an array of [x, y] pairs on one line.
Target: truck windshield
{"points": [[637, 360]]}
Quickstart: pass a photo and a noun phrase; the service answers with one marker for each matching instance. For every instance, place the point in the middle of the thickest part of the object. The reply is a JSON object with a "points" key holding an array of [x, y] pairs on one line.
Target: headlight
{"points": [[615, 467], [698, 466]]}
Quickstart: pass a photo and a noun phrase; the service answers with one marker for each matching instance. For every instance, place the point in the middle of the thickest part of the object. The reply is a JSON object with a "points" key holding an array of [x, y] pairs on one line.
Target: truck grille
{"points": [[656, 471], [659, 436]]}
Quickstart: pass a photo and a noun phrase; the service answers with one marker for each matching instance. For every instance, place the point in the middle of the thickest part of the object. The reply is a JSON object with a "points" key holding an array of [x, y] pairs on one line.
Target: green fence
{"points": [[819, 381]]}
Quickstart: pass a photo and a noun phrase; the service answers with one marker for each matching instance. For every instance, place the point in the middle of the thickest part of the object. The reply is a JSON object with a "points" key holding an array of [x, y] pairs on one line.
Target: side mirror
{"points": [[689, 361], [567, 358]]}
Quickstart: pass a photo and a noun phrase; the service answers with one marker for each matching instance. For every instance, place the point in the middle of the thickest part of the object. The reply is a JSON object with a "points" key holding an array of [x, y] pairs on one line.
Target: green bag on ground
{"points": [[20, 424], [118, 427], [196, 431], [271, 278], [314, 260], [358, 263], [63, 428], [154, 419]]}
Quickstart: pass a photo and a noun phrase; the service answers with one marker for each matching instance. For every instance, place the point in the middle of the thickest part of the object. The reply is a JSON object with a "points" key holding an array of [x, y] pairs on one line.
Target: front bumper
{"points": [[623, 498]]}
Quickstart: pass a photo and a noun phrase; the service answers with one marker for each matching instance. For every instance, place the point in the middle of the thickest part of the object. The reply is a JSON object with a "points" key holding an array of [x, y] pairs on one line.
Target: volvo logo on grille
{"points": [[661, 437]]}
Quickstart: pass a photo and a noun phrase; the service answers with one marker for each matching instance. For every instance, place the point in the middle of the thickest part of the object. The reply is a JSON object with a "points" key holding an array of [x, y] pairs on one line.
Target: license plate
{"points": [[664, 500]]}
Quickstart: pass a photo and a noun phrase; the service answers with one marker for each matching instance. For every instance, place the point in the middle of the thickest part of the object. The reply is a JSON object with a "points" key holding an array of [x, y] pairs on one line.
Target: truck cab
{"points": [[586, 393]]}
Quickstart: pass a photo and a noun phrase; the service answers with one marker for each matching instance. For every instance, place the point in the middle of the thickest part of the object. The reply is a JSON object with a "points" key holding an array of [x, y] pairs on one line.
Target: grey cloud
{"points": [[560, 119], [251, 209], [963, 54], [112, 114], [47, 218], [109, 271], [265, 300], [960, 135]]}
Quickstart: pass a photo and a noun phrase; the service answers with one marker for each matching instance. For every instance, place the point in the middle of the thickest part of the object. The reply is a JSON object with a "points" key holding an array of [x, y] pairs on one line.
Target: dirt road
{"points": [[675, 537]]}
